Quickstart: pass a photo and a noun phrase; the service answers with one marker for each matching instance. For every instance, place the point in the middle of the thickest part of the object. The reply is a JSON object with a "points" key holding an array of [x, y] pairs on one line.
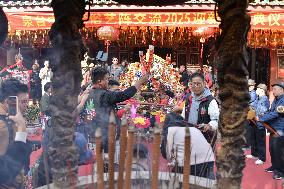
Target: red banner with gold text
{"points": [[43, 20]]}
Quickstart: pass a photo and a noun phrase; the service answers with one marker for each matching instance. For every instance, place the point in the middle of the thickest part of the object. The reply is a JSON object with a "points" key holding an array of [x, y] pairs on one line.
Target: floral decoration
{"points": [[141, 122]]}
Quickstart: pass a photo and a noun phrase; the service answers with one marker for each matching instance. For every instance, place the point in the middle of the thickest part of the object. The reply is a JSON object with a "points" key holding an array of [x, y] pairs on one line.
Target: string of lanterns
{"points": [[172, 37]]}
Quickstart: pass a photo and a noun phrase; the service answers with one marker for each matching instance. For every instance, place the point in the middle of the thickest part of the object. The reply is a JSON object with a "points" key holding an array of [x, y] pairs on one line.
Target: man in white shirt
{"points": [[45, 75]]}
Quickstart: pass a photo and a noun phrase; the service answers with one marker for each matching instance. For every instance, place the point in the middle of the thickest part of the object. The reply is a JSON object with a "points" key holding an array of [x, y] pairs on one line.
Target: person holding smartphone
{"points": [[14, 149]]}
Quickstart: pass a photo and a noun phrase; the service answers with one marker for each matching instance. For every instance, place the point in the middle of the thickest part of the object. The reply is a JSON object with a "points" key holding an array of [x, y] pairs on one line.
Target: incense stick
{"points": [[156, 157], [128, 167], [111, 149], [123, 142], [99, 157], [186, 162]]}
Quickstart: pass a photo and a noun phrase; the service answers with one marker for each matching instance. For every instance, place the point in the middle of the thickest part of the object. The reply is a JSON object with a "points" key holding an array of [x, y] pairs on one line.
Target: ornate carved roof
{"points": [[23, 3]]}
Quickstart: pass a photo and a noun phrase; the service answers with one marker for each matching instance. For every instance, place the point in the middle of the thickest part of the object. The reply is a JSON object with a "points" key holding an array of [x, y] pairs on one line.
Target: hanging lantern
{"points": [[108, 34], [204, 32]]}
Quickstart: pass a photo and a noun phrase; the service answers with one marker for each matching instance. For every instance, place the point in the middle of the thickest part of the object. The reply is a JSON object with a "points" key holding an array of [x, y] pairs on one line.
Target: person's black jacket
{"points": [[104, 102]]}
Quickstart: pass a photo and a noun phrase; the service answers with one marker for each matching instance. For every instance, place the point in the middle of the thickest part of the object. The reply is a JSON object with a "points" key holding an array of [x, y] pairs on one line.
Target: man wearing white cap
{"points": [[45, 74]]}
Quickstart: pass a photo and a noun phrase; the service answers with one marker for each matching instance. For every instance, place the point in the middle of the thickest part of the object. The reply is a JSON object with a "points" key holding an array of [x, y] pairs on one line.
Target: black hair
{"points": [[11, 87], [174, 120], [113, 82], [47, 86], [98, 74], [197, 74]]}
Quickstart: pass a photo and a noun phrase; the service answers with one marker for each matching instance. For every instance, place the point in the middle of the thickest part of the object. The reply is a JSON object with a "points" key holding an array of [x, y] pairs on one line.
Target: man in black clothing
{"points": [[184, 76], [44, 102], [104, 101]]}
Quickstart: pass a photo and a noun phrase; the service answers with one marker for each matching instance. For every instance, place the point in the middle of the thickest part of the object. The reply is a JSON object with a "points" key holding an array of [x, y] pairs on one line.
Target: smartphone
{"points": [[12, 105]]}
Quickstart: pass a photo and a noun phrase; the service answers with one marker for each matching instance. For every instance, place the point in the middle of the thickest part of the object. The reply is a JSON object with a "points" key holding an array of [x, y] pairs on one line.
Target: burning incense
{"points": [[186, 162], [129, 157], [99, 157], [111, 149], [123, 142], [156, 157]]}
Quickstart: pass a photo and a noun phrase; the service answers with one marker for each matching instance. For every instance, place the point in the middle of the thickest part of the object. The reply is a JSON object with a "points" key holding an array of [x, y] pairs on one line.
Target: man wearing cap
{"points": [[276, 120], [258, 142]]}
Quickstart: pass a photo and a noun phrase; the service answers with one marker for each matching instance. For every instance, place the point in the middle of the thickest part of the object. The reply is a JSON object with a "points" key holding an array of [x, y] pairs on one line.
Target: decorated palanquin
{"points": [[18, 71], [161, 70], [23, 76]]}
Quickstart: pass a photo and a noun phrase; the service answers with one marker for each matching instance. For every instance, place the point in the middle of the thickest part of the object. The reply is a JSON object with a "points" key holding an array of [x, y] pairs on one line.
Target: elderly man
{"points": [[276, 143]]}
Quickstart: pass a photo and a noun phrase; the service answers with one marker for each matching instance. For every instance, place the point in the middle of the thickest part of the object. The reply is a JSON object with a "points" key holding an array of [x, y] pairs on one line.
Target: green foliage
{"points": [[32, 113]]}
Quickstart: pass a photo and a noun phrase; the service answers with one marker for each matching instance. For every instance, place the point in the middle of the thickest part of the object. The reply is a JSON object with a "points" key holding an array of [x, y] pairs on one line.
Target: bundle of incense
{"points": [[111, 149], [150, 58], [99, 157], [142, 60], [186, 162], [123, 142], [128, 167], [156, 156]]}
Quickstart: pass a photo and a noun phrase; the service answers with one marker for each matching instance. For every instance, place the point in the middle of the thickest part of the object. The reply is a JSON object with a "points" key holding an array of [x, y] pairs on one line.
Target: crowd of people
{"points": [[196, 106], [264, 117]]}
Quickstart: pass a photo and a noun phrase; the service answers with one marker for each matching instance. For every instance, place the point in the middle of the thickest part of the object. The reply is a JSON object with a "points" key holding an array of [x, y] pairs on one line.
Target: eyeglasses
{"points": [[195, 84]]}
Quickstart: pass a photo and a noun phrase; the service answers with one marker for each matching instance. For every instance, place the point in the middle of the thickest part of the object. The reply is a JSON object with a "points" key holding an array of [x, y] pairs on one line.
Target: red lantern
{"points": [[204, 32], [108, 34]]}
